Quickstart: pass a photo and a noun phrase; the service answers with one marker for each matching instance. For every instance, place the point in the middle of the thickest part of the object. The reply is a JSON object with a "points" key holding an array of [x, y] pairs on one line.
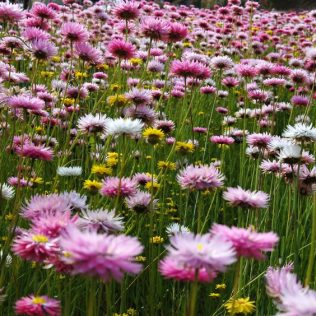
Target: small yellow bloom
{"points": [[56, 59], [68, 101], [80, 75], [214, 295], [132, 312], [240, 306], [140, 259], [39, 129], [156, 240], [111, 162], [136, 61], [166, 165], [187, 44], [152, 185], [153, 135], [101, 170], [37, 181], [118, 100], [221, 286], [184, 147], [9, 217], [114, 87], [92, 185], [47, 74]]}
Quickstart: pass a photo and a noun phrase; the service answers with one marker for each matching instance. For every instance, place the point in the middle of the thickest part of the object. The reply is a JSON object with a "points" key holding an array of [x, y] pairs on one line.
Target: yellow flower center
{"points": [[199, 247], [40, 239], [39, 300]]}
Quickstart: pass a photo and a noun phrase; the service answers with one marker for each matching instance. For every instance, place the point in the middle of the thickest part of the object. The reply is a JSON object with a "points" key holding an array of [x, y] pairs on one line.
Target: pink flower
{"points": [[35, 152], [11, 13], [200, 252], [177, 32], [43, 49], [126, 10], [155, 29], [170, 269], [104, 256], [40, 10], [32, 246], [192, 69], [26, 102], [222, 140], [247, 242], [121, 49], [114, 186], [38, 306], [74, 32], [245, 198], [88, 53], [200, 178]]}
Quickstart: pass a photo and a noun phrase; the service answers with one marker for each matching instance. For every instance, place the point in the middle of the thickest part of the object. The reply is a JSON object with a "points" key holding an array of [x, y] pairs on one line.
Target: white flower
{"points": [[92, 123], [124, 126], [7, 191], [300, 132], [101, 220], [69, 171], [290, 154], [175, 228], [222, 62]]}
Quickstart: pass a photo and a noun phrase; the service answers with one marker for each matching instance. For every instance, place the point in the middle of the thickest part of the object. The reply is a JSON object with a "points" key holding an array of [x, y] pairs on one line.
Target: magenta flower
{"points": [[246, 198], [114, 186], [177, 32], [10, 13], [121, 49], [104, 256], [192, 69], [38, 306], [247, 242], [170, 269], [200, 178], [42, 11], [222, 140]]}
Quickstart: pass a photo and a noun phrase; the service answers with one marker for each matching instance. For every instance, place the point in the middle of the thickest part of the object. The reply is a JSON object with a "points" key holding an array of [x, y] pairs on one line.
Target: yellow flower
{"points": [[140, 259], [101, 170], [9, 217], [187, 44], [184, 147], [136, 61], [68, 101], [220, 286], [269, 32], [47, 74], [111, 162], [153, 135], [132, 312], [152, 185], [56, 59], [214, 295], [92, 185], [156, 240], [114, 87], [80, 75], [166, 165], [240, 306], [39, 129], [37, 181], [118, 100]]}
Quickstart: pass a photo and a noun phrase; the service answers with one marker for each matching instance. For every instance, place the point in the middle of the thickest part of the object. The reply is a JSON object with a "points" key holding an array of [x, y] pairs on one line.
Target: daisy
{"points": [[92, 123], [123, 126], [69, 171]]}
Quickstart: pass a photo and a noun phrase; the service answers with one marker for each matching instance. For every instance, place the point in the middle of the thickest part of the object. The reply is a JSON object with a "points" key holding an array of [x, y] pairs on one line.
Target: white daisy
{"points": [[124, 126], [69, 171], [175, 228], [100, 220], [92, 123], [290, 154], [7, 191], [300, 132]]}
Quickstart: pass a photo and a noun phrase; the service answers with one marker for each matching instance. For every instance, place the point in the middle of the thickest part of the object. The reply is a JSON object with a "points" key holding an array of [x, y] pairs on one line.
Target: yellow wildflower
{"points": [[240, 306]]}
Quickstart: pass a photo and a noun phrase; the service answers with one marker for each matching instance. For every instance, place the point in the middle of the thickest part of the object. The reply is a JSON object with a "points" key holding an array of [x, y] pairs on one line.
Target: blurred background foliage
{"points": [[268, 4]]}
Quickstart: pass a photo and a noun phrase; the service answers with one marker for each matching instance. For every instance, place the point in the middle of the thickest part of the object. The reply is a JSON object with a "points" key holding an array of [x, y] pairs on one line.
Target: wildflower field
{"points": [[157, 160]]}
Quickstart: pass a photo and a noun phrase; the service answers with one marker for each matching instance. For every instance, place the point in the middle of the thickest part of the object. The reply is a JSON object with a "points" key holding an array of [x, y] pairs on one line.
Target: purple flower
{"points": [[74, 32], [26, 102], [126, 10], [192, 69], [121, 49], [155, 29], [104, 256]]}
